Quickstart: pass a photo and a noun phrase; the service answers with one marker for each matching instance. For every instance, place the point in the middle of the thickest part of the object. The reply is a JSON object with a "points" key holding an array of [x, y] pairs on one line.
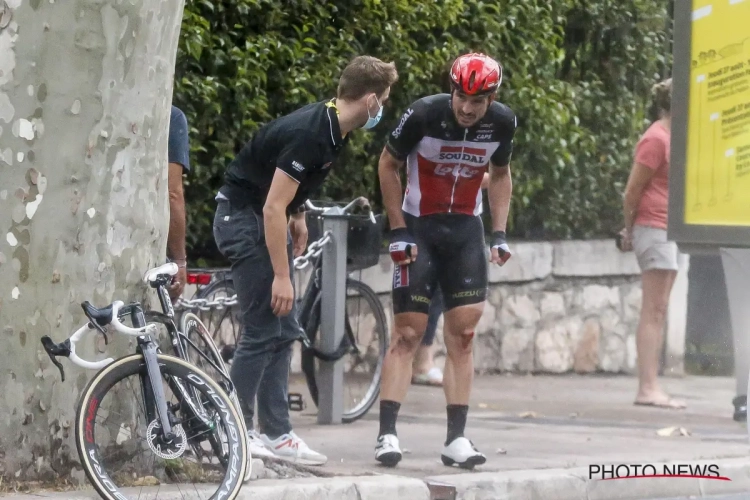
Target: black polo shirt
{"points": [[303, 144]]}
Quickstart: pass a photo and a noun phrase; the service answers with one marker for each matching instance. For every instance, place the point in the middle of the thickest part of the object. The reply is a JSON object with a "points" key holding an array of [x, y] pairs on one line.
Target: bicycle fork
{"points": [[154, 383]]}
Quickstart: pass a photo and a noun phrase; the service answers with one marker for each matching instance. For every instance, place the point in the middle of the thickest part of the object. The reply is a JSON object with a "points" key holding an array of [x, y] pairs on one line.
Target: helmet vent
{"points": [[471, 79]]}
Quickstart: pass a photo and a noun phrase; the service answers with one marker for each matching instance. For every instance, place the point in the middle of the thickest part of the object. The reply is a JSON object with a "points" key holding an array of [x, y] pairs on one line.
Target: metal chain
{"points": [[314, 249]]}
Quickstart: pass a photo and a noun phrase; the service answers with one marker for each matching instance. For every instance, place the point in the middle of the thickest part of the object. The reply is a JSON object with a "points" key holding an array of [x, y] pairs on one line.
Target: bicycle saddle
{"points": [[169, 269], [102, 316]]}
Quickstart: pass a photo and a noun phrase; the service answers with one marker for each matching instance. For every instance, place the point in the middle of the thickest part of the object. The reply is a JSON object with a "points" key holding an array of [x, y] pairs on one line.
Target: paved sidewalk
{"points": [[539, 422], [540, 434]]}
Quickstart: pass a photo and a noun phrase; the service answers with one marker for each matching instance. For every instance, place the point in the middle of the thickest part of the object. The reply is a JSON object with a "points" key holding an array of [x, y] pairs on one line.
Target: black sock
{"points": [[456, 422], [388, 416]]}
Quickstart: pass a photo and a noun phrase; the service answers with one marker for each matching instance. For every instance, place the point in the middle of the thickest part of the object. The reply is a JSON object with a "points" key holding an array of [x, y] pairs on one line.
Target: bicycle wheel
{"points": [[110, 452], [193, 328], [364, 346], [200, 340], [222, 323]]}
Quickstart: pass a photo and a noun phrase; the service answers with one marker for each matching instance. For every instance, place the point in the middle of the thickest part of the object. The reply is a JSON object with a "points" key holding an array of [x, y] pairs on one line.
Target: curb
{"points": [[385, 487], [546, 484], [574, 484]]}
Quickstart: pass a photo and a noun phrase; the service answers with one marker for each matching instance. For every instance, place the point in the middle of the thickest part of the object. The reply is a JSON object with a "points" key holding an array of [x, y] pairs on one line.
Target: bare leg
{"points": [[397, 365], [657, 285], [458, 377]]}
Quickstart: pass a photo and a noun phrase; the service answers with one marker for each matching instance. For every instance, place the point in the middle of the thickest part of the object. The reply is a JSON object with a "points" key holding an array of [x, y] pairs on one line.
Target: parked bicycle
{"points": [[365, 338], [197, 436]]}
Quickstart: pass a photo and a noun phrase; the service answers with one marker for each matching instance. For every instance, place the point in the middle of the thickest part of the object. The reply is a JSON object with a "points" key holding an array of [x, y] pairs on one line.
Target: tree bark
{"points": [[85, 95]]}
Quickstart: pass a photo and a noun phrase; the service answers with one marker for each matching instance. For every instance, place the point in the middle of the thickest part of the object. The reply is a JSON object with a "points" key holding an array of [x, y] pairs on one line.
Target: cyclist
{"points": [[424, 371], [260, 224], [179, 162], [447, 141]]}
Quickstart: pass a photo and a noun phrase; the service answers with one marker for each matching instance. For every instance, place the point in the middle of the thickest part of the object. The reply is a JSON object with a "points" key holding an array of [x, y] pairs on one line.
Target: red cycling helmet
{"points": [[476, 74]]}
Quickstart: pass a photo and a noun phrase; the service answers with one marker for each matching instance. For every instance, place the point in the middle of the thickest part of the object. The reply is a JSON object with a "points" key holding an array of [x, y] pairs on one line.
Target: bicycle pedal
{"points": [[296, 403]]}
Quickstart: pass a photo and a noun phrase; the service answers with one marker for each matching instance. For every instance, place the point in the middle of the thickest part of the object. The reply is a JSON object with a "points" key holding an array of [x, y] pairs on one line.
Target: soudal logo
{"points": [[459, 154], [400, 127]]}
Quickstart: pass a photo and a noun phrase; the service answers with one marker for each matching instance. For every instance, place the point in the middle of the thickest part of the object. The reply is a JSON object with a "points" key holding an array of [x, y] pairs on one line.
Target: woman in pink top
{"points": [[645, 207]]}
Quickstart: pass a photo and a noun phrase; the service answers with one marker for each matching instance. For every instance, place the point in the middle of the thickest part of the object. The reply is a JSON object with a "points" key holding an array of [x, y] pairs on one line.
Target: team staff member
{"points": [[448, 141], [260, 224]]}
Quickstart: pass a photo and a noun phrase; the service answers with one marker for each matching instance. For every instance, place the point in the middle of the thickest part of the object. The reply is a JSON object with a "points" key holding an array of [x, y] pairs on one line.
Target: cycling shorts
{"points": [[451, 252]]}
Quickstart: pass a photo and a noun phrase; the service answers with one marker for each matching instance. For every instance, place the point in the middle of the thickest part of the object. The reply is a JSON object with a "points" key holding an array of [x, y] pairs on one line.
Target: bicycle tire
{"points": [[190, 322], [309, 355], [124, 367], [223, 283]]}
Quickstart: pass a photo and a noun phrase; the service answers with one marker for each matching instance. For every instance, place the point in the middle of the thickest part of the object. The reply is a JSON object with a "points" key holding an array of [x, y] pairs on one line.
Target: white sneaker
{"points": [[292, 448], [387, 452], [462, 453], [256, 446]]}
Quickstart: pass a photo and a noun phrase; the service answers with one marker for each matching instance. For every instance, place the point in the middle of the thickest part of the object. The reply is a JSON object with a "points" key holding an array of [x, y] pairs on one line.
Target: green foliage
{"points": [[576, 73]]}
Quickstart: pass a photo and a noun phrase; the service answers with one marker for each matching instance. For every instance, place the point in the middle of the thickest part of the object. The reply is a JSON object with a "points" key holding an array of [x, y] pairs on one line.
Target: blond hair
{"points": [[661, 98], [364, 75]]}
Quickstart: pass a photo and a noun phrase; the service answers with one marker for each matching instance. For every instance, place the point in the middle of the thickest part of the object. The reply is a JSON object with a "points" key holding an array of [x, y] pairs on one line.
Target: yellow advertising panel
{"points": [[717, 170]]}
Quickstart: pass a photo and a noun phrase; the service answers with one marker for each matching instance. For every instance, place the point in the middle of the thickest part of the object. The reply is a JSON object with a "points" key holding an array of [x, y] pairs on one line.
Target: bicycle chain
{"points": [[313, 250]]}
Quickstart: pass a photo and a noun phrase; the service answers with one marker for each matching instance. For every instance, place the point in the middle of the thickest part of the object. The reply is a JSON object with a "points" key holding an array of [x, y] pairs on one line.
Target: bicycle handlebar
{"points": [[67, 348], [360, 202]]}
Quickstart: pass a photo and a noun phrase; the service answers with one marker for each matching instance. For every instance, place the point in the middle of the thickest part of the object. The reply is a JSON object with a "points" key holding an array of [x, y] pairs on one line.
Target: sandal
{"points": [[669, 403], [434, 377]]}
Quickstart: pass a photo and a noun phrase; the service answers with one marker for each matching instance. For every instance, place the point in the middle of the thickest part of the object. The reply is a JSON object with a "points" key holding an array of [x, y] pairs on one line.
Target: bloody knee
{"points": [[466, 338], [461, 343]]}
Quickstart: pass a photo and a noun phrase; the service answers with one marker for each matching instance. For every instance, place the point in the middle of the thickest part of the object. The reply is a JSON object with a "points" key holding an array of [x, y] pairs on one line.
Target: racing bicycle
{"points": [[194, 440], [365, 340]]}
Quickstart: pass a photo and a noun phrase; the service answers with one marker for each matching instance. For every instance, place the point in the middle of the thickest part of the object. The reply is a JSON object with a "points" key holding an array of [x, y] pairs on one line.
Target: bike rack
{"points": [[333, 309]]}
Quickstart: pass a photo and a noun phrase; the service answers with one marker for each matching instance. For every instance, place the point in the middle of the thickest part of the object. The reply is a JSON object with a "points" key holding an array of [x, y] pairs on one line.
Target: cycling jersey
{"points": [[445, 162]]}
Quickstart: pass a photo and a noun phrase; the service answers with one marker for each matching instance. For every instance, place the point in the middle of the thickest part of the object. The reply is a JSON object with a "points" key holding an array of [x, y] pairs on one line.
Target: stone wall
{"points": [[557, 307]]}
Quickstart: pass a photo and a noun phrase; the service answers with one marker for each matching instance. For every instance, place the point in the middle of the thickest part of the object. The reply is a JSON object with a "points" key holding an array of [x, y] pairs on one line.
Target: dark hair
{"points": [[661, 99], [366, 74]]}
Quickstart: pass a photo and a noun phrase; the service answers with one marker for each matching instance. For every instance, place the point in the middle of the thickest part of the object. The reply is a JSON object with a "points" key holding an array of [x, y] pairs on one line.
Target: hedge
{"points": [[577, 73]]}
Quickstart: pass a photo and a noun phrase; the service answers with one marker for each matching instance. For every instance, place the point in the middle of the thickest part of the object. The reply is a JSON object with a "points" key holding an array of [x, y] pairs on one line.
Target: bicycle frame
{"points": [[307, 303], [155, 401], [178, 339]]}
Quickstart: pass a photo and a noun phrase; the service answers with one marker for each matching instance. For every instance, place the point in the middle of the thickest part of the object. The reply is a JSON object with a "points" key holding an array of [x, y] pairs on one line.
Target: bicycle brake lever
{"points": [[54, 350], [104, 334]]}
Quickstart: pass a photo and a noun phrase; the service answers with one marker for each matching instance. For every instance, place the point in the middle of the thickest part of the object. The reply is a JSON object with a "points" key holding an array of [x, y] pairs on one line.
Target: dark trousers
{"points": [[260, 367]]}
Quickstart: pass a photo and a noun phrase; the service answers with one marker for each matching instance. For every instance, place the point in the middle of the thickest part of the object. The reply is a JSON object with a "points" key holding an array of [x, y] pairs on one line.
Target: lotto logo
{"points": [[464, 171]]}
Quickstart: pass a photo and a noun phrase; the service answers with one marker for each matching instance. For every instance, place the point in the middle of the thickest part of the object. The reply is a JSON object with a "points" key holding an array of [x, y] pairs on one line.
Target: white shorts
{"points": [[653, 250]]}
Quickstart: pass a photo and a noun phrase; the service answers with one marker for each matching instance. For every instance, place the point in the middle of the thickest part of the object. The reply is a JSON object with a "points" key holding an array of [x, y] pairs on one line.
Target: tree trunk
{"points": [[85, 94]]}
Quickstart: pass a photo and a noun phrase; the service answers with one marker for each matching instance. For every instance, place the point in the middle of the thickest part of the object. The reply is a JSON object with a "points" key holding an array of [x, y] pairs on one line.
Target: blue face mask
{"points": [[373, 120]]}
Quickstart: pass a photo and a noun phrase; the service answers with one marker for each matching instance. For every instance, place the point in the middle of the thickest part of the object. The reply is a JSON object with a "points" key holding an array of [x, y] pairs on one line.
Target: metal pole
{"points": [[333, 309], [736, 263]]}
